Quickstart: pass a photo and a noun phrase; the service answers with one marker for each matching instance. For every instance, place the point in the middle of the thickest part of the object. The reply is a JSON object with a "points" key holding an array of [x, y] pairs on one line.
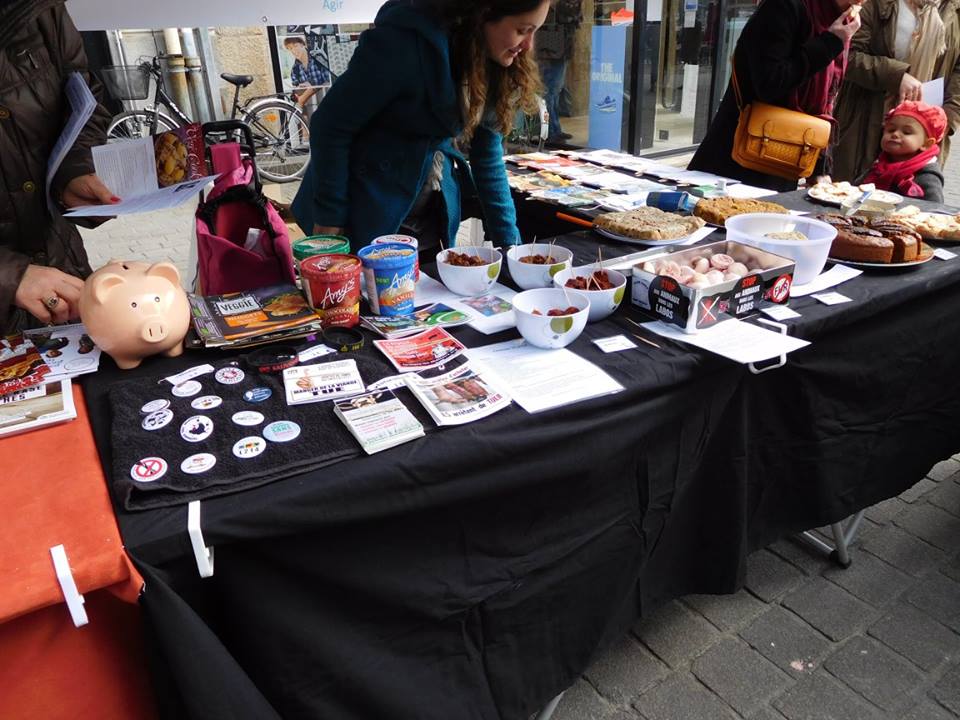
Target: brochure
{"points": [[378, 420], [490, 313], [436, 315], [67, 349], [21, 365], [325, 381], [734, 339], [82, 105], [459, 396], [248, 317], [36, 407], [428, 349]]}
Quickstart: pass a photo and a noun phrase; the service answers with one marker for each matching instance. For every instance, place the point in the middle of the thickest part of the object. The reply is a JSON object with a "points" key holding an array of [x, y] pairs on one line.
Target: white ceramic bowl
{"points": [[470, 279], [810, 255], [528, 275], [547, 331], [602, 302]]}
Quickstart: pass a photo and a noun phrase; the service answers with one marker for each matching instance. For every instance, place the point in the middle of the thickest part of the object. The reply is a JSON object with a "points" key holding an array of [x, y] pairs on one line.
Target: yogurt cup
{"points": [[403, 240], [332, 286], [319, 245], [388, 269]]}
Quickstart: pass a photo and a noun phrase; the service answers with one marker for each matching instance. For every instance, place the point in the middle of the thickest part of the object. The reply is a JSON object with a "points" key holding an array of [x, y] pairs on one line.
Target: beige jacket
{"points": [[873, 75]]}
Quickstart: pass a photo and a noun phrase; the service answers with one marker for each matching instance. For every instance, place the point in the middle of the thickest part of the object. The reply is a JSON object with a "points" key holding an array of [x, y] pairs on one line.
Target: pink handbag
{"points": [[231, 254]]}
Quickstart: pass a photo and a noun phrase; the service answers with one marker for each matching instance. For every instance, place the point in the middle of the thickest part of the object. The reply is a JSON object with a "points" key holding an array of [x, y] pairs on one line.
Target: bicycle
{"points": [[280, 130]]}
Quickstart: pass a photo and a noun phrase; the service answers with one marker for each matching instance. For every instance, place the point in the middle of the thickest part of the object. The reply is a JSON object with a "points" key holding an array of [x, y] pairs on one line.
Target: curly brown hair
{"points": [[483, 82]]}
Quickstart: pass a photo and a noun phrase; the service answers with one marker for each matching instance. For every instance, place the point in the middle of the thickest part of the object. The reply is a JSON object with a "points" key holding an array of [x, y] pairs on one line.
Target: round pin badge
{"points": [[149, 469], [249, 447], [155, 406], [196, 428], [206, 402], [157, 420], [258, 394], [247, 417], [187, 389], [281, 431], [229, 375], [199, 463]]}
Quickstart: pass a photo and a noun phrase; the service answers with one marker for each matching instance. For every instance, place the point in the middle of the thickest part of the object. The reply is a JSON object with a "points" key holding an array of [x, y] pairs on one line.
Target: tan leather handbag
{"points": [[777, 141]]}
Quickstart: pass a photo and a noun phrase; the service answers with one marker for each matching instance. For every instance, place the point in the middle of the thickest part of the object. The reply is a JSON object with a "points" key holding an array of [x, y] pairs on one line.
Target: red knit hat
{"points": [[932, 118]]}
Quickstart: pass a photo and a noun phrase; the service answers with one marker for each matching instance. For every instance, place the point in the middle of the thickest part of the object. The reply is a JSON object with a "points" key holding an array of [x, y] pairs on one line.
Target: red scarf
{"points": [[817, 94], [897, 175]]}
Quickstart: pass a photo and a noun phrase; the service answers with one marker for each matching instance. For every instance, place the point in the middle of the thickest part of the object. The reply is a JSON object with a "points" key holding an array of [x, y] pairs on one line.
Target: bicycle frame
{"points": [[160, 98]]}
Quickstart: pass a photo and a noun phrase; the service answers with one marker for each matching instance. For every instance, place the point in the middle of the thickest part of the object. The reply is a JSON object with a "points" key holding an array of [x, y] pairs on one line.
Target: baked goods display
{"points": [[717, 210], [700, 271], [648, 223], [874, 241], [838, 193], [934, 226]]}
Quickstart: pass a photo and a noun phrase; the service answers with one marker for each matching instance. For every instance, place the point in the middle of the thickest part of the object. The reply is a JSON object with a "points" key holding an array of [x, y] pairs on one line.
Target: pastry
{"points": [[861, 247], [648, 223], [717, 210]]}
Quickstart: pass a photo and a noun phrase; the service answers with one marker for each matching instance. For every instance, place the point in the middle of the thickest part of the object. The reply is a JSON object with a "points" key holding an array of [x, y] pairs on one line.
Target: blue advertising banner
{"points": [[606, 85]]}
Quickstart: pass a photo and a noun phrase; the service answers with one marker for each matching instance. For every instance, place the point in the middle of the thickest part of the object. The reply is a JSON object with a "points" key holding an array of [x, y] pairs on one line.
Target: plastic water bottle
{"points": [[672, 201]]}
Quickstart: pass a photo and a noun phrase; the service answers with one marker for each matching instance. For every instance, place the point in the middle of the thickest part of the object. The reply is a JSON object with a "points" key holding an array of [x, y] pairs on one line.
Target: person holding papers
{"points": [[42, 260]]}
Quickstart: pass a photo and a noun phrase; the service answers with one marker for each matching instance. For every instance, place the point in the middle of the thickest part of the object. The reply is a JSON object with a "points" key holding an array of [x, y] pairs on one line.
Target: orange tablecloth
{"points": [[52, 492]]}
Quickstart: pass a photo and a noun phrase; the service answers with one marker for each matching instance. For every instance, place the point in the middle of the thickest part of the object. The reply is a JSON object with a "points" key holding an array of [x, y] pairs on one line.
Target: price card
{"points": [[944, 254], [780, 312], [831, 298], [614, 343]]}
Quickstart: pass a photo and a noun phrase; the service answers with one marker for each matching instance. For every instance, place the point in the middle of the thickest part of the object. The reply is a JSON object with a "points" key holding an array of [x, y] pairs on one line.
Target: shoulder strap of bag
{"points": [[736, 85], [238, 193]]}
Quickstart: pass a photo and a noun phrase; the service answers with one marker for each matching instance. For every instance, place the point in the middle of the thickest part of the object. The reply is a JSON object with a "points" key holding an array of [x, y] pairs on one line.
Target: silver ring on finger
{"points": [[52, 301]]}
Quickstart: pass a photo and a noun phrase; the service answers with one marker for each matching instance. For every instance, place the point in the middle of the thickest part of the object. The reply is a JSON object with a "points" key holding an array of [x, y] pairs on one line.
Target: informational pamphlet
{"points": [[396, 326], [429, 349], [831, 278], [82, 104], [378, 420], [734, 339], [542, 379], [489, 313], [67, 349], [459, 396], [21, 365], [36, 407], [324, 381]]}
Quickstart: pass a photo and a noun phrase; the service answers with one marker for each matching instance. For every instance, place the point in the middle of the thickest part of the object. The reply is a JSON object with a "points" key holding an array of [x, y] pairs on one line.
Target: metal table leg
{"points": [[839, 552]]}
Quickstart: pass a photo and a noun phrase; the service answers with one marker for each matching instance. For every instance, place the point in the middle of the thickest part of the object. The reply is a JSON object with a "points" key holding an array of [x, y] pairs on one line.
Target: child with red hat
{"points": [[908, 161]]}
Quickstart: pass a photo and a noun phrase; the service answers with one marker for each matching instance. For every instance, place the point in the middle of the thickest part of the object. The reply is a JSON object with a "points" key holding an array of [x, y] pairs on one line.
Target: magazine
{"points": [[324, 381], [429, 349], [245, 318], [457, 397], [36, 407], [21, 365], [67, 349], [436, 315], [378, 420]]}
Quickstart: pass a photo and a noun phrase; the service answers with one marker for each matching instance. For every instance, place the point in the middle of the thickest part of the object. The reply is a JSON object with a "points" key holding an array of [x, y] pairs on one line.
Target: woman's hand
{"points": [[910, 88], [845, 27], [48, 294], [87, 190], [327, 230]]}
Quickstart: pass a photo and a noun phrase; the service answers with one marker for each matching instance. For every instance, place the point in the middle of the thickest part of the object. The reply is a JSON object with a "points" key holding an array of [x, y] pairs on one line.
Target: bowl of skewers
{"points": [[534, 265], [550, 317], [604, 288]]}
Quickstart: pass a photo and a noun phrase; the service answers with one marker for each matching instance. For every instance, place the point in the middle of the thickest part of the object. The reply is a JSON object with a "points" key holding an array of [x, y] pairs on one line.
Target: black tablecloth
{"points": [[474, 574]]}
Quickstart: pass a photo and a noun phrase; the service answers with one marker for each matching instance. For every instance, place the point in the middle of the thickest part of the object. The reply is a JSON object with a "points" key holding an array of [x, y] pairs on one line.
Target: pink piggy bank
{"points": [[135, 309]]}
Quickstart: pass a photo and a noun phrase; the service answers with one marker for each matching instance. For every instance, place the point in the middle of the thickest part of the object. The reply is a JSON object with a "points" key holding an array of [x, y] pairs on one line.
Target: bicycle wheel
{"points": [[134, 124], [282, 140]]}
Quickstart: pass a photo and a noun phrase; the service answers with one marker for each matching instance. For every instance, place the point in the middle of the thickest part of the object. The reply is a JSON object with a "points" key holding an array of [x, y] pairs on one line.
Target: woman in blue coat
{"points": [[433, 83]]}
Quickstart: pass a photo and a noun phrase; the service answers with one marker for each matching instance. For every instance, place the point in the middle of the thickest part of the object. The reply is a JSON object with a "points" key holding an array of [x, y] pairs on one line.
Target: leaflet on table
{"points": [[397, 326], [67, 349], [151, 173], [429, 349], [21, 365], [573, 196], [691, 177], [82, 104], [542, 379], [323, 381], [831, 278], [621, 182], [378, 420], [748, 192], [734, 339], [36, 407], [459, 396], [490, 313]]}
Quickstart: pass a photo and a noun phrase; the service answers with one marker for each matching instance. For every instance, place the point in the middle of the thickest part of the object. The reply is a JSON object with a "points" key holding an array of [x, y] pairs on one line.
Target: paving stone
{"points": [[884, 512], [820, 697], [945, 469], [786, 640], [938, 596], [946, 497], [765, 713], [952, 569], [769, 576], [798, 553], [625, 670], [675, 634], [918, 490], [947, 691], [876, 672], [916, 636], [928, 711], [829, 608], [739, 675], [581, 702], [902, 550], [727, 612], [870, 579], [932, 524], [681, 696]]}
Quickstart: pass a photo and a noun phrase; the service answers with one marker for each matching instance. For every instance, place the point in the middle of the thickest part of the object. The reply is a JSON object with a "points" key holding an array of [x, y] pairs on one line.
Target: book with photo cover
{"points": [[323, 381], [244, 317], [36, 407], [459, 396], [21, 365], [378, 420]]}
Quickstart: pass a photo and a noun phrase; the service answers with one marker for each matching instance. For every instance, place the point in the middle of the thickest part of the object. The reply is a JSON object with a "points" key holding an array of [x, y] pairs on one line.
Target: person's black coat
{"points": [[774, 55]]}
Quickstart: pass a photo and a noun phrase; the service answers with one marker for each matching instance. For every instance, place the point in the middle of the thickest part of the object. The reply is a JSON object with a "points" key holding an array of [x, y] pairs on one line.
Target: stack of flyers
{"points": [[67, 349], [325, 381], [492, 313], [457, 397], [378, 420], [429, 349], [21, 365], [436, 315], [36, 407]]}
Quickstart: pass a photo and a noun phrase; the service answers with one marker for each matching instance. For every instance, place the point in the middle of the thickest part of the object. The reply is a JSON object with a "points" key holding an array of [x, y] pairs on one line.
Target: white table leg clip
{"points": [[201, 552], [68, 586], [783, 358]]}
